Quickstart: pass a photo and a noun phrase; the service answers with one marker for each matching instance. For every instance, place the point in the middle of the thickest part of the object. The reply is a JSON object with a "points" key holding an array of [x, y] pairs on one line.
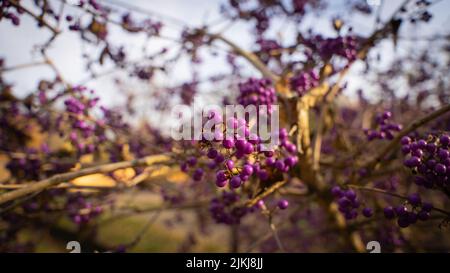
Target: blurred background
{"points": [[147, 228]]}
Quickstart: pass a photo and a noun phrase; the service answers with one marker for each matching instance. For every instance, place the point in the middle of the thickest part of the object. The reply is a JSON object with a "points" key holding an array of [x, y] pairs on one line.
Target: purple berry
{"points": [[440, 168], [444, 140], [367, 212], [387, 115], [221, 184], [228, 143], [221, 176], [427, 206], [405, 140], [212, 153], [279, 165], [336, 191], [350, 194], [401, 210], [414, 199], [403, 222], [230, 164], [283, 204], [290, 161], [443, 154], [423, 215], [344, 202], [248, 149], [263, 175], [235, 182], [219, 159], [247, 169], [422, 144], [389, 212], [412, 162], [270, 161]]}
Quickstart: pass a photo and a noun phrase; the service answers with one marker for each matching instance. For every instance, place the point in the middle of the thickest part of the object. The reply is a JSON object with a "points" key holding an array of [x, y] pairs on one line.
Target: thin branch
{"points": [[273, 228], [264, 194], [144, 229], [128, 212], [21, 66], [145, 11]]}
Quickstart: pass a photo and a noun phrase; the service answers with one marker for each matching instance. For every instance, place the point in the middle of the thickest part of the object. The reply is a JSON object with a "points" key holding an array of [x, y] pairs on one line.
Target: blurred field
{"points": [[167, 231]]}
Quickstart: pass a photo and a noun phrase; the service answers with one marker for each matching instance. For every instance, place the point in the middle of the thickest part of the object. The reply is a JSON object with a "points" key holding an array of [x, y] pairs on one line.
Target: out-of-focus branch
{"points": [[21, 66], [60, 178], [274, 230], [265, 193], [252, 58], [318, 141]]}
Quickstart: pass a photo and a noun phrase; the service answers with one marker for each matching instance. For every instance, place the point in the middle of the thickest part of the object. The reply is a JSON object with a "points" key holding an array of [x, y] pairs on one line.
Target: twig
{"points": [[136, 211], [144, 230], [273, 228], [234, 238], [267, 192], [21, 66]]}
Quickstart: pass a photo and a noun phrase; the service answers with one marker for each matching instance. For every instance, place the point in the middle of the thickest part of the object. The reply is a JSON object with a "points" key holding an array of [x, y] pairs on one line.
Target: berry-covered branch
{"points": [[411, 128]]}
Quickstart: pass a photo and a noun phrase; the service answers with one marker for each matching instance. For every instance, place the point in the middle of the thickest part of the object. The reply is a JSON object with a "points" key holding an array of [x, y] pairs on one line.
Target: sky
{"points": [[16, 43]]}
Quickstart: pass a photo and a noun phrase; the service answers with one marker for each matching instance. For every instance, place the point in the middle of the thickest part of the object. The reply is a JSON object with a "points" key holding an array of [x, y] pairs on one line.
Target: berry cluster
{"points": [[348, 203], [267, 49], [429, 159], [341, 46], [27, 167], [262, 20], [345, 47], [257, 92], [237, 160], [304, 81], [80, 210], [239, 168], [8, 11], [407, 214], [144, 72], [242, 156], [384, 129], [85, 132], [224, 211], [187, 92], [148, 26]]}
